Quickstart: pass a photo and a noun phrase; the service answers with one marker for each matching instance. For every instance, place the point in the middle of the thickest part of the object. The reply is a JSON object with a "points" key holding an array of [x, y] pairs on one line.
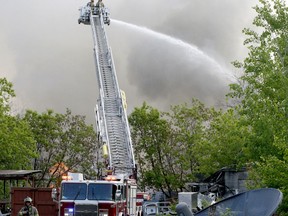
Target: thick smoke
{"points": [[49, 57]]}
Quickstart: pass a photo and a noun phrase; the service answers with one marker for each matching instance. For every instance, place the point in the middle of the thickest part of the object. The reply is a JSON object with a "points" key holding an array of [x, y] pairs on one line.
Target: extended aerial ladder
{"points": [[111, 118], [115, 193]]}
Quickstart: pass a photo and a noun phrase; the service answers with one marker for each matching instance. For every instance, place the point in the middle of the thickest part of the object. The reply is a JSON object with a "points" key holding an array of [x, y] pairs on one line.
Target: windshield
{"points": [[74, 191], [101, 191]]}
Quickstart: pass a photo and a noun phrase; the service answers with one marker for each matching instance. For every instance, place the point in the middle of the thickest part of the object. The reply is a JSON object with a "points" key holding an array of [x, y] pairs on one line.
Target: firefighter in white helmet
{"points": [[28, 209]]}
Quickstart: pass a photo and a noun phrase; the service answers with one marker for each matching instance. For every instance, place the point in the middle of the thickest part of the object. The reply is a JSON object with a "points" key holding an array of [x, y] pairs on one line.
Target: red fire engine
{"points": [[110, 197], [114, 195]]}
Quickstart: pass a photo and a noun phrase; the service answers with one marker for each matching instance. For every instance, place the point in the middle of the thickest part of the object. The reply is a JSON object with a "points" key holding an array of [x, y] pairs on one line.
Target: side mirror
{"points": [[118, 195], [54, 194]]}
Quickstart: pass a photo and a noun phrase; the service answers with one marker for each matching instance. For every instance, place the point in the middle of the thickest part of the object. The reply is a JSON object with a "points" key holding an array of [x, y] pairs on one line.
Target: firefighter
{"points": [[28, 209], [92, 6], [99, 4]]}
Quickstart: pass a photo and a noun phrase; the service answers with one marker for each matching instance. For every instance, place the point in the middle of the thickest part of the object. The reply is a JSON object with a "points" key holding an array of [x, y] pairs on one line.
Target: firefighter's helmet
{"points": [[27, 199]]}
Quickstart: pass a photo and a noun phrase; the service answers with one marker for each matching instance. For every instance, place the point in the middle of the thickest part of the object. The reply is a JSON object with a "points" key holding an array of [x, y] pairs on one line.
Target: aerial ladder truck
{"points": [[115, 193], [111, 118]]}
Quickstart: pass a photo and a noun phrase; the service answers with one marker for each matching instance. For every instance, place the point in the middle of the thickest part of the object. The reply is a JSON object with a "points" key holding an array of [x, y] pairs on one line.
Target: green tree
{"points": [[6, 94], [166, 144], [189, 123], [263, 91], [223, 143], [154, 150], [16, 139], [64, 144]]}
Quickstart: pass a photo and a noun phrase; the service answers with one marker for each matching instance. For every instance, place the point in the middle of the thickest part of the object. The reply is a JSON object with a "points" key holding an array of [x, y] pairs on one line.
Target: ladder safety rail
{"points": [[111, 117]]}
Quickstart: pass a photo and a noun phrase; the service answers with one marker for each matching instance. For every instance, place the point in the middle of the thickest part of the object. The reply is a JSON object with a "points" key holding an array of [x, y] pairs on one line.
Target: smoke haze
{"points": [[49, 57]]}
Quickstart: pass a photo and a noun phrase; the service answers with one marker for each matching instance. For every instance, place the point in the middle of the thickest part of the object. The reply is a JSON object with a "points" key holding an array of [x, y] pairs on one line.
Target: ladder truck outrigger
{"points": [[114, 195]]}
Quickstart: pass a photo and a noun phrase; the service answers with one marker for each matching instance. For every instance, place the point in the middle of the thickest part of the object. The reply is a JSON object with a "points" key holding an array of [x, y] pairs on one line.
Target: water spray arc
{"points": [[191, 50]]}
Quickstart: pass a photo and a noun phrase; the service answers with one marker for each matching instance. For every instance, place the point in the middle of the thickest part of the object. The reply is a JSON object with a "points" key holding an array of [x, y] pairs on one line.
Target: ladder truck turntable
{"points": [[114, 195]]}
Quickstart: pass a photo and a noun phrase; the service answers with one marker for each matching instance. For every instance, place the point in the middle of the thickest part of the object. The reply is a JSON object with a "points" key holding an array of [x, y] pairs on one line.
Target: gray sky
{"points": [[49, 57]]}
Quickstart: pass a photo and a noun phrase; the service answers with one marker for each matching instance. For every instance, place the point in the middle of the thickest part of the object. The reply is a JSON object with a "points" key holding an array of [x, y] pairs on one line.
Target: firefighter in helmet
{"points": [[92, 6], [99, 4], [28, 209]]}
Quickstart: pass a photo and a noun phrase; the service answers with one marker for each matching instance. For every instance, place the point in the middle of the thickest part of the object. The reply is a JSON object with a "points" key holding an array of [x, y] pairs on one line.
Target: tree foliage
{"points": [[16, 139], [51, 142], [64, 144], [223, 143], [263, 91], [150, 136], [189, 123], [167, 144], [6, 94]]}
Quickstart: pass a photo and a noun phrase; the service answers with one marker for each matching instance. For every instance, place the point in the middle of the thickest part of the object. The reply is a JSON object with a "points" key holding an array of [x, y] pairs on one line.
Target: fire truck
{"points": [[115, 193], [108, 197]]}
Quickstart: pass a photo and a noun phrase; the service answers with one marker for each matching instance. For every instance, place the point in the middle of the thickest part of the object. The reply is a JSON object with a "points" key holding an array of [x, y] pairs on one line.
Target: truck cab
{"points": [[111, 197]]}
